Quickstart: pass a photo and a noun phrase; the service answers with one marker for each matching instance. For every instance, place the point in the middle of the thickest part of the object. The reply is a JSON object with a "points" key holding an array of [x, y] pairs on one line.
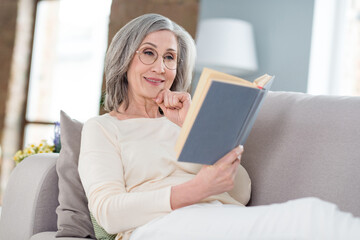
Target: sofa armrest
{"points": [[30, 198]]}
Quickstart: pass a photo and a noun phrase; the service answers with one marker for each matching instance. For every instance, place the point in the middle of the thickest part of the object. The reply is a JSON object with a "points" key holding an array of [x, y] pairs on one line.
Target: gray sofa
{"points": [[300, 146]]}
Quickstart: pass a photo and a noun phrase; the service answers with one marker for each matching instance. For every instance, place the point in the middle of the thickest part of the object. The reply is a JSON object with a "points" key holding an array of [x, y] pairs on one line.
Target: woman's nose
{"points": [[159, 65]]}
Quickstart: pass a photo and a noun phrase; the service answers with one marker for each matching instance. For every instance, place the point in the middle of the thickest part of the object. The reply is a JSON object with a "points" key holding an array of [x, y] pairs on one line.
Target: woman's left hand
{"points": [[175, 105]]}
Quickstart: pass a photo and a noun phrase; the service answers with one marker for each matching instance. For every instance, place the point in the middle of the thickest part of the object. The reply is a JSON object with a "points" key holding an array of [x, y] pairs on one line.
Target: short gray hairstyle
{"points": [[122, 50]]}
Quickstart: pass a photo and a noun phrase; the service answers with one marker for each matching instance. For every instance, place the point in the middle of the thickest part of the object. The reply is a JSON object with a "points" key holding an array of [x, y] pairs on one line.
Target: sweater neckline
{"points": [[135, 119]]}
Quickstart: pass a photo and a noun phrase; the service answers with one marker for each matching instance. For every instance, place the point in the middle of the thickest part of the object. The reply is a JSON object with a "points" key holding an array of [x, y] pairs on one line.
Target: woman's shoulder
{"points": [[104, 121], [97, 119]]}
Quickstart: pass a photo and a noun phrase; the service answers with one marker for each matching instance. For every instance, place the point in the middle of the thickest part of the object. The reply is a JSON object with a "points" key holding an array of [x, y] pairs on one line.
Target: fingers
{"points": [[231, 156], [227, 166], [221, 176], [231, 161], [173, 100], [160, 97], [235, 167]]}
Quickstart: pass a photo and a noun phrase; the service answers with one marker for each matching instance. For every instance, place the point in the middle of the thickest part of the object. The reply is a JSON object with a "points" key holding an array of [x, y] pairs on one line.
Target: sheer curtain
{"points": [[335, 59]]}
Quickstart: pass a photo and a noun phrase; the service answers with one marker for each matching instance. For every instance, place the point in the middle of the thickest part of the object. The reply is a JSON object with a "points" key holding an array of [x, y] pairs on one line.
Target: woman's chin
{"points": [[155, 93]]}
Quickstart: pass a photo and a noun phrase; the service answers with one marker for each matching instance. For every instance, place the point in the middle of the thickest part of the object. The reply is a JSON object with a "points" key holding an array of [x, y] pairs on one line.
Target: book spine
{"points": [[243, 135], [250, 120]]}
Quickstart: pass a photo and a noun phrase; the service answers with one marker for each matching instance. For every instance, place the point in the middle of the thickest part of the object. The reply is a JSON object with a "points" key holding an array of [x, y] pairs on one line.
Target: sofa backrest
{"points": [[303, 145]]}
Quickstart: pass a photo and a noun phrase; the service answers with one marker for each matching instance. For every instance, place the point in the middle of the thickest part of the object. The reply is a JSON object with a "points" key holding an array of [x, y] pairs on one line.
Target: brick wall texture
{"points": [[8, 13]]}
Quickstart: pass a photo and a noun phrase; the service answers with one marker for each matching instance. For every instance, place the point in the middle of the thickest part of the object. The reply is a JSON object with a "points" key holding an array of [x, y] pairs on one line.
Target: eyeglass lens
{"points": [[149, 56]]}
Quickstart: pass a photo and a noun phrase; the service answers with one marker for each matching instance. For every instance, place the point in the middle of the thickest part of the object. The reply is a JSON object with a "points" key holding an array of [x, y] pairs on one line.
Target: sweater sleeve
{"points": [[102, 175], [242, 188]]}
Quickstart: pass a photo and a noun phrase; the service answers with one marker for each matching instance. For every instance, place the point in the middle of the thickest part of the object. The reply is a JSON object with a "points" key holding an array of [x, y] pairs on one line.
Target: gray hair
{"points": [[122, 49]]}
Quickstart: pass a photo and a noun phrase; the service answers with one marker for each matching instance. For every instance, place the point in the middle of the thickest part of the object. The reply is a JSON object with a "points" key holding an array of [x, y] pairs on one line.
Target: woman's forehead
{"points": [[161, 39]]}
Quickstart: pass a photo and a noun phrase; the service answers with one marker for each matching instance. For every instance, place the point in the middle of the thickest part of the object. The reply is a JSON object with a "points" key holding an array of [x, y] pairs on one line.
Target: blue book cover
{"points": [[224, 121]]}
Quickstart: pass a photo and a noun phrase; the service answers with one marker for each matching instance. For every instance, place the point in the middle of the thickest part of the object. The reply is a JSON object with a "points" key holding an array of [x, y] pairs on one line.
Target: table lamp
{"points": [[226, 45]]}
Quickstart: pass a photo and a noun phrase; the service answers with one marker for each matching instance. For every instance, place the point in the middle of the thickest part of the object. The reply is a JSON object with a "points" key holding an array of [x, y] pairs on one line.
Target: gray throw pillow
{"points": [[73, 213]]}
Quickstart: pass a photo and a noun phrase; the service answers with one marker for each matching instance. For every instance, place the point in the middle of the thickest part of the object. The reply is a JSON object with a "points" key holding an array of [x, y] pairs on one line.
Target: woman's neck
{"points": [[136, 109]]}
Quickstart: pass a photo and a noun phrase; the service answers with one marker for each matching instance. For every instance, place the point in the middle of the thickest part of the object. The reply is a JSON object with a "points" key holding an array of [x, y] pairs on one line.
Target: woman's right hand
{"points": [[218, 178], [210, 180]]}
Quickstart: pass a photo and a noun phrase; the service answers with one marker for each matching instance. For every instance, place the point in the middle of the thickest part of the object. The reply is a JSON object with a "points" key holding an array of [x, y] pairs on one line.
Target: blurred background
{"points": [[52, 53]]}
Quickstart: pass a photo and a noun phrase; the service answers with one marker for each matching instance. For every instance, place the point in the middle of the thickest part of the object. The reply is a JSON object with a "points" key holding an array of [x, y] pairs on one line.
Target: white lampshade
{"points": [[226, 45]]}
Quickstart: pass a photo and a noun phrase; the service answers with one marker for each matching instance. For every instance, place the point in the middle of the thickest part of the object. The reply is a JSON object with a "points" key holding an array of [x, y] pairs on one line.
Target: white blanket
{"points": [[307, 218]]}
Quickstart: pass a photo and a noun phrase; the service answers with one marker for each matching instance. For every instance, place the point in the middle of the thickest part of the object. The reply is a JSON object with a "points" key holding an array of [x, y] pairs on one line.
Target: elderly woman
{"points": [[136, 188]]}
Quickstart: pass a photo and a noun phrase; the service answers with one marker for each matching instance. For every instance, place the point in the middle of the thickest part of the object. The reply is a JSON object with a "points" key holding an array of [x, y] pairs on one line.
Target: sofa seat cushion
{"points": [[51, 236]]}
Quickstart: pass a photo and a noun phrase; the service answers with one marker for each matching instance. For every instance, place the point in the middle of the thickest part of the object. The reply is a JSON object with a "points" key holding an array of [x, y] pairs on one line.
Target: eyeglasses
{"points": [[149, 55]]}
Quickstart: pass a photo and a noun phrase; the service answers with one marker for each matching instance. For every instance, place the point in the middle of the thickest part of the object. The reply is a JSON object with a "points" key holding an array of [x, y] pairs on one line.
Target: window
{"points": [[335, 54], [66, 73], [352, 49]]}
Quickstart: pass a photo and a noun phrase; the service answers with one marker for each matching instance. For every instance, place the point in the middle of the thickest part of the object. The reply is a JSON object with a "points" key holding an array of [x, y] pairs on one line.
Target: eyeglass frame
{"points": [[177, 62]]}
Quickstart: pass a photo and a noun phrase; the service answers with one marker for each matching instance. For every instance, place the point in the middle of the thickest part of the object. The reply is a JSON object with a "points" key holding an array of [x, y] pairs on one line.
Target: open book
{"points": [[221, 115]]}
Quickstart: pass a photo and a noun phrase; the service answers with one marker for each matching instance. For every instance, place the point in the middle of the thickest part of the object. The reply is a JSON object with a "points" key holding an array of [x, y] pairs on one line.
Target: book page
{"points": [[193, 110], [187, 123], [263, 80]]}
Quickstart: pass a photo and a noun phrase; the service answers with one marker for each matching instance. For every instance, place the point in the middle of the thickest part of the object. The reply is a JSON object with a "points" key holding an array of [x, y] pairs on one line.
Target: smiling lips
{"points": [[154, 81]]}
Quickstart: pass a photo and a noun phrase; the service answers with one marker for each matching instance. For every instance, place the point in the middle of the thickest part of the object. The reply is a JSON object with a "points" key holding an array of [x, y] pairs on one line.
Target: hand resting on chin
{"points": [[175, 105]]}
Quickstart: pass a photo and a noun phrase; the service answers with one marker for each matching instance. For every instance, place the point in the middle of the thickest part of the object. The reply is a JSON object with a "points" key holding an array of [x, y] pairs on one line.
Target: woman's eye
{"points": [[149, 52], [169, 57]]}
